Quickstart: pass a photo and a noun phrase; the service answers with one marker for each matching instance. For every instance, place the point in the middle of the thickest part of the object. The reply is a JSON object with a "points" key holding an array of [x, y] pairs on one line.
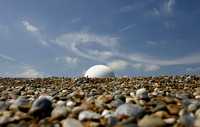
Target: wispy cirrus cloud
{"points": [[73, 41], [6, 58], [29, 27], [169, 6], [29, 72], [67, 60], [127, 27], [113, 57]]}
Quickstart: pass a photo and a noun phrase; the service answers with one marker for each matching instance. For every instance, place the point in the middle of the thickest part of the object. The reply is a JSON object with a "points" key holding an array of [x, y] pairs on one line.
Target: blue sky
{"points": [[66, 37]]}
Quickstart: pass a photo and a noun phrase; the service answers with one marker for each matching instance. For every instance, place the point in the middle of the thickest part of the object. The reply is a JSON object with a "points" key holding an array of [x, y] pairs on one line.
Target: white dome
{"points": [[99, 71]]}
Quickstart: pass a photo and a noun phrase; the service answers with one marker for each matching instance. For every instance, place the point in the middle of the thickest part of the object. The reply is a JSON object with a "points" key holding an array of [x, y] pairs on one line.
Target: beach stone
{"points": [[104, 98], [186, 120], [88, 115], [132, 110], [151, 121], [70, 103], [173, 109], [197, 123], [61, 103], [107, 113], [41, 107], [197, 113], [111, 121], [70, 122], [22, 103], [169, 120], [3, 105], [59, 112], [142, 93]]}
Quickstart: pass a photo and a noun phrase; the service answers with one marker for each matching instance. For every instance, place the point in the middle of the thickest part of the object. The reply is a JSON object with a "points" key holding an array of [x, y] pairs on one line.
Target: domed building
{"points": [[99, 71]]}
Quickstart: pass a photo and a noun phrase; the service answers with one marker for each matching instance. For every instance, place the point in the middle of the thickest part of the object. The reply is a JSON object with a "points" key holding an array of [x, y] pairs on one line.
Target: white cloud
{"points": [[6, 58], [185, 60], [127, 27], [169, 6], [29, 72], [122, 65], [35, 31], [156, 11], [29, 27], [73, 42], [118, 64], [67, 60]]}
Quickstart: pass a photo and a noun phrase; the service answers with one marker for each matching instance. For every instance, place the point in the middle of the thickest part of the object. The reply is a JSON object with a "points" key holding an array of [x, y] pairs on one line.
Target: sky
{"points": [[66, 37]]}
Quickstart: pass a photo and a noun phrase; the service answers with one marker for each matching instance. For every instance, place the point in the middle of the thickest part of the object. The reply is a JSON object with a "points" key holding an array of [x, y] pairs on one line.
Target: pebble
{"points": [[132, 110], [107, 113], [142, 93], [59, 112], [41, 107], [118, 102], [186, 120], [150, 121], [70, 122], [88, 115]]}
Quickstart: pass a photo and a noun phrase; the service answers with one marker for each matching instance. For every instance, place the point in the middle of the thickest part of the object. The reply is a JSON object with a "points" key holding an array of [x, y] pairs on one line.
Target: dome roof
{"points": [[99, 71]]}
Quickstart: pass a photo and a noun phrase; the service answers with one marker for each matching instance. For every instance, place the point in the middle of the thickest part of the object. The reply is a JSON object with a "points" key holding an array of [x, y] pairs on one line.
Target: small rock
{"points": [[70, 122], [59, 112], [41, 107], [107, 113], [186, 120], [22, 103], [88, 115], [111, 121], [170, 120], [142, 93], [173, 109], [3, 105], [70, 103], [130, 110], [61, 103], [192, 107], [151, 121], [197, 113]]}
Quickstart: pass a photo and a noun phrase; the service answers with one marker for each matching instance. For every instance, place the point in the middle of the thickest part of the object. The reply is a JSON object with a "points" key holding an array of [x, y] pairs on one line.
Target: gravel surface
{"points": [[165, 101]]}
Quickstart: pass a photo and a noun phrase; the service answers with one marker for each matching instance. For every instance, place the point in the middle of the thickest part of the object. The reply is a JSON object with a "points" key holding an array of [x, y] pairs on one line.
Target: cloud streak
{"points": [[29, 72], [6, 58], [169, 6], [127, 27], [35, 32], [110, 55]]}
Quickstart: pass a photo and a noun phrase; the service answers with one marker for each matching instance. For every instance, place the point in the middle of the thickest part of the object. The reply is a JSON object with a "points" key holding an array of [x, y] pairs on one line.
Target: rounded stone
{"points": [[142, 93], [41, 107], [151, 121], [70, 122], [130, 110], [99, 71], [88, 115]]}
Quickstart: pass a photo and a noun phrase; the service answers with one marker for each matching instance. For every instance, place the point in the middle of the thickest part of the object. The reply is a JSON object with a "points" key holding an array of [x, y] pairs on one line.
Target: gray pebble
{"points": [[41, 107], [88, 115], [130, 110], [70, 122], [142, 93]]}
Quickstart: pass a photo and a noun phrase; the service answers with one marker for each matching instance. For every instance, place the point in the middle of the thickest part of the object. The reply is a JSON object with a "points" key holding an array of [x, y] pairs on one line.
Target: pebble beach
{"points": [[164, 101]]}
